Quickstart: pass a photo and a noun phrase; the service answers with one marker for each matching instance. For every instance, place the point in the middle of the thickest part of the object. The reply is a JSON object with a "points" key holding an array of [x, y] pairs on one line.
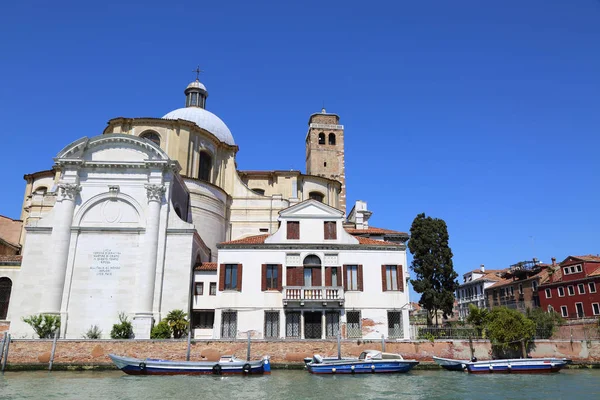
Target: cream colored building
{"points": [[198, 200]]}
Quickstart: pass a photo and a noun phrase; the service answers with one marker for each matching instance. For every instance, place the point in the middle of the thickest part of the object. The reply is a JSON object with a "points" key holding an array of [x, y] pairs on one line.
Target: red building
{"points": [[573, 288]]}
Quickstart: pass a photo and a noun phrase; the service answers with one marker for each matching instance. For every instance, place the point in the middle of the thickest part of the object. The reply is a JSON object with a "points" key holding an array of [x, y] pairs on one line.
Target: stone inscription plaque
{"points": [[106, 262]]}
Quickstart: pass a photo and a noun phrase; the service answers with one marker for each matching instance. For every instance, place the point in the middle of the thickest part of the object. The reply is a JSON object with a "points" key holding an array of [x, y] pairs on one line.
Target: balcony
{"points": [[313, 294]]}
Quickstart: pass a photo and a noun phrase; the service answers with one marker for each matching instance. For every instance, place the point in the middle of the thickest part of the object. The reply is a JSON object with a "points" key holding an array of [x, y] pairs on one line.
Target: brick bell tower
{"points": [[325, 150]]}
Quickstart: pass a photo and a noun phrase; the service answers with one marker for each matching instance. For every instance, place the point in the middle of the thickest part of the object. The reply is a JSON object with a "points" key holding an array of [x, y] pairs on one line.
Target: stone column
{"points": [[302, 324], [61, 238], [323, 325], [142, 322]]}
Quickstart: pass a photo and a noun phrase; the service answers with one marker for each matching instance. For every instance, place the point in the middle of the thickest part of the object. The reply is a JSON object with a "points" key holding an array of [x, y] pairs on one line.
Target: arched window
{"points": [[5, 288], [312, 261], [332, 139], [205, 166], [316, 196], [312, 270], [259, 191], [151, 136], [40, 190], [178, 212], [321, 138]]}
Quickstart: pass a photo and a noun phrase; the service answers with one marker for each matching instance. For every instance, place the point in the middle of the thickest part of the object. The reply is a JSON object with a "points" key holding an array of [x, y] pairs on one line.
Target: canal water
{"points": [[569, 384]]}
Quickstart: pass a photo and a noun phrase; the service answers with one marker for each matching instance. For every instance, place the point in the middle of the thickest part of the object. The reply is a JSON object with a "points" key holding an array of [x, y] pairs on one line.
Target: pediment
{"points": [[311, 209]]}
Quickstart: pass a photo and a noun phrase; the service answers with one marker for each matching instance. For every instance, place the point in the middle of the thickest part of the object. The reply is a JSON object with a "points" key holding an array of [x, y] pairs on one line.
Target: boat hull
{"points": [[134, 366], [362, 367], [517, 366], [450, 364]]}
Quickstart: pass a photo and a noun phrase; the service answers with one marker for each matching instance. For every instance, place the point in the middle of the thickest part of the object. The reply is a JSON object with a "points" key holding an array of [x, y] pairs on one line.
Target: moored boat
{"points": [[517, 366], [225, 366], [450, 364], [370, 361]]}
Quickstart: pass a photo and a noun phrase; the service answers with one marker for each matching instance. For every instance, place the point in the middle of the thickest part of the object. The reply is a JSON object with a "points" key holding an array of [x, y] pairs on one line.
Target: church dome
{"points": [[196, 85], [205, 120]]}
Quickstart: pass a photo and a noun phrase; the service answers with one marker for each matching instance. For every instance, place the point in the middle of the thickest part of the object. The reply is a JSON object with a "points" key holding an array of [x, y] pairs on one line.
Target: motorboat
{"points": [[225, 366], [450, 364], [369, 361], [517, 366]]}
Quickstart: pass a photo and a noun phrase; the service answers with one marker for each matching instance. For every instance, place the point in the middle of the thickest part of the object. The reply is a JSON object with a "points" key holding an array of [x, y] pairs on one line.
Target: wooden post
{"points": [[2, 349], [248, 351], [339, 344], [189, 344], [523, 349], [471, 347], [7, 340], [53, 350], [382, 342]]}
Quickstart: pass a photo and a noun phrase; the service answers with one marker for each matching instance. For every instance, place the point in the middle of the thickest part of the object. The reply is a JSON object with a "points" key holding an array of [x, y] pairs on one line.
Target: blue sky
{"points": [[485, 114]]}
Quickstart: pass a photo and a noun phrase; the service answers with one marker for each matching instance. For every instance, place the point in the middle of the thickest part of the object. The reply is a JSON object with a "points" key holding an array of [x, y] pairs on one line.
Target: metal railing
{"points": [[313, 293]]}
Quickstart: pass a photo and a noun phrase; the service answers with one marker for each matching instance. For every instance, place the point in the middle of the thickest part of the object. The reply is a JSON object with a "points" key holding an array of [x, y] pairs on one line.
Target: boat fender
{"points": [[246, 368], [352, 368], [216, 369], [491, 368], [143, 367], [509, 367], [373, 368]]}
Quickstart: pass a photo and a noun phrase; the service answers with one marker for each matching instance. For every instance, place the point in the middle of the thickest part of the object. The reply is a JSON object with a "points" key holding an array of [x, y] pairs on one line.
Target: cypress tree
{"points": [[435, 277]]}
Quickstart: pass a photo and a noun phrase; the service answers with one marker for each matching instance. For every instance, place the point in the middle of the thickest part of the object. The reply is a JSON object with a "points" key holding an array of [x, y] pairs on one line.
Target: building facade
{"points": [[472, 289], [572, 288]]}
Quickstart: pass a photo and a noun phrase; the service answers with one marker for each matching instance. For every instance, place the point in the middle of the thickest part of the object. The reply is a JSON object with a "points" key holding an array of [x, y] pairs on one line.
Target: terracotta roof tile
{"points": [[206, 266], [543, 275], [258, 239], [595, 273], [588, 257], [373, 231], [10, 258], [373, 242]]}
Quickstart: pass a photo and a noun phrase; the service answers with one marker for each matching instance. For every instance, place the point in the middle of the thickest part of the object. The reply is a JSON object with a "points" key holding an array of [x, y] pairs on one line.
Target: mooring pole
{"points": [[2, 349], [189, 344], [7, 340], [339, 343], [248, 351], [53, 350], [382, 342]]}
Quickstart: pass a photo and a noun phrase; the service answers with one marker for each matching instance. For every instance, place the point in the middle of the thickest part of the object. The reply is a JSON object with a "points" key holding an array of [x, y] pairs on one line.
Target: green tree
{"points": [[162, 330], [509, 329], [478, 318], [432, 264], [44, 325], [177, 320], [545, 322], [123, 329]]}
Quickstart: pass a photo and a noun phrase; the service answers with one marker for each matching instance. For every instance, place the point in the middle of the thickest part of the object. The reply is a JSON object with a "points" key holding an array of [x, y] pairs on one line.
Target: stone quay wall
{"points": [[95, 352]]}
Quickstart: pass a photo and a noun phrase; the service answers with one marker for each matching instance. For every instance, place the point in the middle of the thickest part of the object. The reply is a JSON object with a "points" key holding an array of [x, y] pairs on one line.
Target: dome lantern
{"points": [[196, 93]]}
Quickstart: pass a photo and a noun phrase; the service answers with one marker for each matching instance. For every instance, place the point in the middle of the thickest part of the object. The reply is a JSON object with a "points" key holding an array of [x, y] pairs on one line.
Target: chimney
{"points": [[482, 268], [553, 262]]}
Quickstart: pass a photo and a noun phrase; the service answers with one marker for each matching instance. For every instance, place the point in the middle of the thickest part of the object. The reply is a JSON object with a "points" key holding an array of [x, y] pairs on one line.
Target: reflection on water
{"points": [[569, 384]]}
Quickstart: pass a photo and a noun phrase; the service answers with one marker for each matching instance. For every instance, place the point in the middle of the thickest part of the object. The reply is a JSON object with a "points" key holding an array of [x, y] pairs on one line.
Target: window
{"points": [[272, 276], [231, 271], [571, 290], [592, 287], [512, 291], [199, 288], [332, 324], [534, 285], [228, 324], [495, 294], [308, 276], [203, 319], [151, 136], [353, 329], [548, 293], [292, 324], [318, 196], [581, 288], [561, 291], [271, 324], [205, 166], [566, 270], [391, 277], [502, 292], [259, 191], [520, 288], [5, 289], [579, 309], [40, 190], [321, 138], [213, 289], [579, 269], [334, 277], [330, 230], [332, 139], [352, 277], [564, 311], [395, 324], [293, 229], [596, 308]]}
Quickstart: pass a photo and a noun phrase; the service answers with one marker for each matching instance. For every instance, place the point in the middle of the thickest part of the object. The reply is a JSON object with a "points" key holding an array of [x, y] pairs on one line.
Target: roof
{"points": [[374, 231], [588, 257], [260, 239], [542, 275], [595, 273], [206, 266], [196, 85], [10, 259], [205, 120]]}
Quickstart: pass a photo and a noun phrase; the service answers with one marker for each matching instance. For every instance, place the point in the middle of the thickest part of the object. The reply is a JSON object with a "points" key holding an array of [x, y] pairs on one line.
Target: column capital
{"points": [[155, 192], [68, 191]]}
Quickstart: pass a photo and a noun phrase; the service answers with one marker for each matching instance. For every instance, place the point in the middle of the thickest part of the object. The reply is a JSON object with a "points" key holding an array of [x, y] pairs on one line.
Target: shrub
{"points": [[545, 322], [177, 320], [161, 331], [44, 325], [122, 330], [508, 328], [93, 333]]}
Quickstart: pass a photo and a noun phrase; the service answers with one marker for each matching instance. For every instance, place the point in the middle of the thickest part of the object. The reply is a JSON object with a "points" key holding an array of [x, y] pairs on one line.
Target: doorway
{"points": [[312, 325]]}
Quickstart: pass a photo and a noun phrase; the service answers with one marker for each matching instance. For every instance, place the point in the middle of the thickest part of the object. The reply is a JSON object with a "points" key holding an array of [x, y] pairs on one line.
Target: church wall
{"points": [[177, 275]]}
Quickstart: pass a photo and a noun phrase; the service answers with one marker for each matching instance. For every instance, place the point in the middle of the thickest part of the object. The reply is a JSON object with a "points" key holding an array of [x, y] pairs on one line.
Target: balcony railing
{"points": [[313, 293]]}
